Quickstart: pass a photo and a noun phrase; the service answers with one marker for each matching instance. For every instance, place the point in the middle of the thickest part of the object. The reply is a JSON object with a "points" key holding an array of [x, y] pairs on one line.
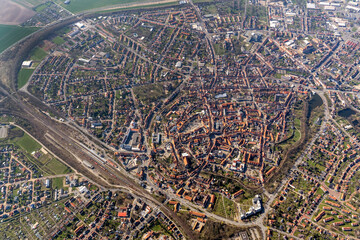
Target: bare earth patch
{"points": [[12, 13], [47, 45]]}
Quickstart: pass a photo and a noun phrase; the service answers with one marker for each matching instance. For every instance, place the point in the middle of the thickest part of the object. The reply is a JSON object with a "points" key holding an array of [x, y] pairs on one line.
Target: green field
{"points": [[142, 7], [57, 167], [11, 34], [57, 183], [40, 7], [26, 3], [219, 207], [37, 54], [83, 5], [23, 76], [28, 143], [46, 163], [224, 207], [58, 40]]}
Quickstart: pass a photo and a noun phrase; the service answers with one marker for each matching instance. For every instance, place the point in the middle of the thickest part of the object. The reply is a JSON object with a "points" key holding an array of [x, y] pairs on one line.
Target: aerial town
{"points": [[201, 120]]}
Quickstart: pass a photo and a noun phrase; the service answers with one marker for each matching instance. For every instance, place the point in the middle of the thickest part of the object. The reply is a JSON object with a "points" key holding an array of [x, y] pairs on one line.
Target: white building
{"points": [[26, 64], [311, 5]]}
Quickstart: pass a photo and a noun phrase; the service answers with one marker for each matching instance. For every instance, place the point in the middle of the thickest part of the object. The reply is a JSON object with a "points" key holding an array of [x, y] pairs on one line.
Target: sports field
{"points": [[58, 40], [37, 54], [11, 34], [28, 143], [23, 76]]}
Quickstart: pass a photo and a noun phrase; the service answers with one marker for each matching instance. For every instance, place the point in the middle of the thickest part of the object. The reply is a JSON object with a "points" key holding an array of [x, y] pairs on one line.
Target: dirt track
{"points": [[12, 13]]}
